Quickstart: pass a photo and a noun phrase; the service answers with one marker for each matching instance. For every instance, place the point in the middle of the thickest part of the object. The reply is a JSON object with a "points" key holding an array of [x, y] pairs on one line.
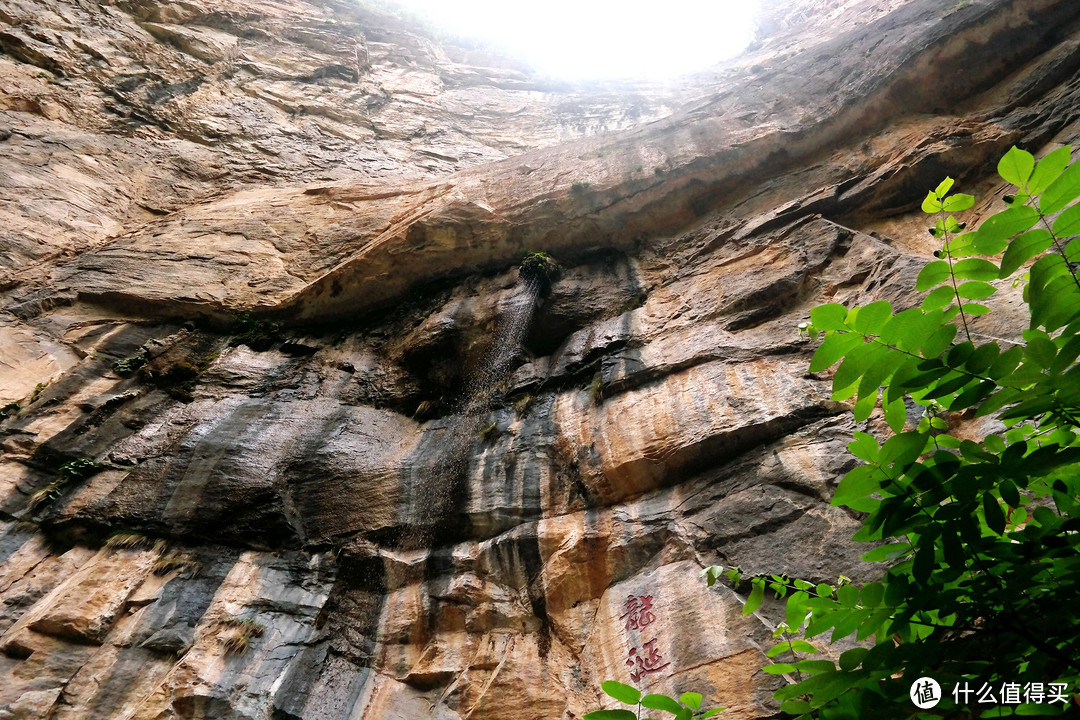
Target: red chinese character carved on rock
{"points": [[638, 612], [644, 662]]}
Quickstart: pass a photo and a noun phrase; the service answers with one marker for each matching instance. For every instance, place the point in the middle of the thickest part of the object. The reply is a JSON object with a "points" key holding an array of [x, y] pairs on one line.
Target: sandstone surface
{"points": [[252, 252]]}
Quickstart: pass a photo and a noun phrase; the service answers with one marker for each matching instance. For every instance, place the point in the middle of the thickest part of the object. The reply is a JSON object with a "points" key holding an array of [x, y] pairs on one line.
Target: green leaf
{"points": [[958, 203], [778, 649], [714, 711], [851, 659], [1061, 191], [1006, 363], [829, 317], [834, 347], [887, 552], [995, 517], [622, 693], [657, 701], [938, 298], [859, 483], [934, 273], [975, 269], [757, 594], [847, 595], [1048, 170], [931, 204], [943, 187], [691, 699], [1041, 351], [795, 613], [895, 414], [975, 309], [982, 358], [924, 563], [871, 318], [779, 668], [815, 667], [1068, 222], [1009, 493], [1005, 224], [1023, 248], [864, 446], [1016, 167], [975, 290], [872, 594], [795, 707], [609, 715]]}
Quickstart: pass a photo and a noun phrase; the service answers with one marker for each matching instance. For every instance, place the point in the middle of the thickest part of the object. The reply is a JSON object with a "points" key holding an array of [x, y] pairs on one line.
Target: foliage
{"points": [[129, 365], [78, 469], [490, 431], [10, 410], [980, 539], [70, 472], [538, 266], [38, 389], [523, 402], [578, 187], [687, 707], [257, 334], [596, 389], [181, 377]]}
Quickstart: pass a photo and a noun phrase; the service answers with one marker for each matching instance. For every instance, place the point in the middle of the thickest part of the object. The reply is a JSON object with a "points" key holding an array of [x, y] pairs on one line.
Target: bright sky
{"points": [[602, 39]]}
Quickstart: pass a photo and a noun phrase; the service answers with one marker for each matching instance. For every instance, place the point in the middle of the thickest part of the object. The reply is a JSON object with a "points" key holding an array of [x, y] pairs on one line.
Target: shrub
{"points": [[129, 365], [981, 538], [538, 266]]}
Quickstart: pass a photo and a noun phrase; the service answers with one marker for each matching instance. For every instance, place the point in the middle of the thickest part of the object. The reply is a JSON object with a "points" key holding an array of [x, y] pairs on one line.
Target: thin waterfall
{"points": [[432, 497]]}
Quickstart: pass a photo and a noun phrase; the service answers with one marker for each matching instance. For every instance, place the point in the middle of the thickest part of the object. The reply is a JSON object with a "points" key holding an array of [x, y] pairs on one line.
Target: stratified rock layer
{"points": [[253, 251]]}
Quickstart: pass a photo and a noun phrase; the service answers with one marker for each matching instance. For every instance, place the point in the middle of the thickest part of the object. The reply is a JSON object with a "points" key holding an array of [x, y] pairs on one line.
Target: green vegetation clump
{"points": [[259, 335], [538, 266], [79, 469], [979, 537], [523, 402], [38, 389], [578, 187], [596, 390], [489, 432], [129, 365], [68, 474], [687, 707], [179, 378]]}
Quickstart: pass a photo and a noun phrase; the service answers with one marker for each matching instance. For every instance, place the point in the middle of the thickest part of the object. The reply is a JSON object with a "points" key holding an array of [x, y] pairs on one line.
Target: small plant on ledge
{"points": [[129, 365], [538, 266], [69, 472], [687, 707]]}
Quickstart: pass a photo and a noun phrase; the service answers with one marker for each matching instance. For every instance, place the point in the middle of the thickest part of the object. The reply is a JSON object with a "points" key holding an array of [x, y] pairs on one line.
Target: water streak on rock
{"points": [[433, 498]]}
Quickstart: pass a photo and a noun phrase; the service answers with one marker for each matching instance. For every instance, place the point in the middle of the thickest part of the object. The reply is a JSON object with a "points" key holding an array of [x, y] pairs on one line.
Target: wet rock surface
{"points": [[252, 252]]}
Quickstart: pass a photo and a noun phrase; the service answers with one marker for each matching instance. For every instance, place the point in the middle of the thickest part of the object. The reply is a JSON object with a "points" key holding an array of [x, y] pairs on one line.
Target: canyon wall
{"points": [[252, 251]]}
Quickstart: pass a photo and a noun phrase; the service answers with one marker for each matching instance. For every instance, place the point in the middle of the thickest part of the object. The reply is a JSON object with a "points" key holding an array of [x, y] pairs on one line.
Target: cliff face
{"points": [[254, 251]]}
